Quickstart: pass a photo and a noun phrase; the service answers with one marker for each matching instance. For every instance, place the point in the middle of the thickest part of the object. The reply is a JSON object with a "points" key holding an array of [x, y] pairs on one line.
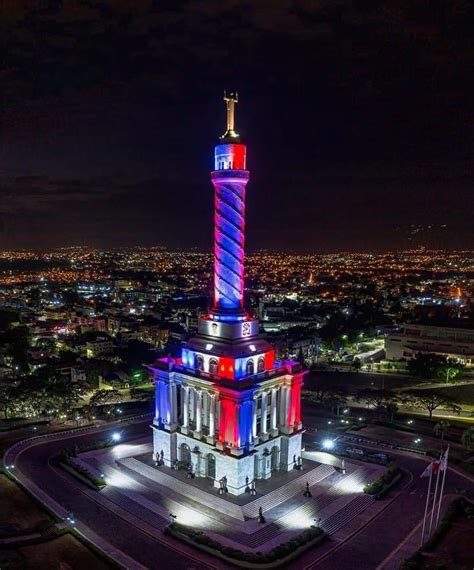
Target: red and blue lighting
{"points": [[229, 179]]}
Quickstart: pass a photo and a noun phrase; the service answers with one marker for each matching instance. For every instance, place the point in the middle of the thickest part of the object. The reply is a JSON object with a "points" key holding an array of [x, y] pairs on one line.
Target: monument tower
{"points": [[226, 410]]}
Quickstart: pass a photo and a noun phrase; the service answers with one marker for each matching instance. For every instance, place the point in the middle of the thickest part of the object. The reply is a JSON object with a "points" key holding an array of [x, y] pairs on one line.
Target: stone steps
{"points": [[220, 505], [287, 491], [131, 506], [343, 516]]}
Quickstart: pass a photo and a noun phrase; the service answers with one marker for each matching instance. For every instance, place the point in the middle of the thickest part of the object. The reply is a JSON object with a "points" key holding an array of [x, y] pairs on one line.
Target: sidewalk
{"points": [[412, 542]]}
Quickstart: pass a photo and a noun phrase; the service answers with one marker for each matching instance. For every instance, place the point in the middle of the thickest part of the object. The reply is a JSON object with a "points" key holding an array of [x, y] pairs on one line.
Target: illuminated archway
{"points": [[185, 456], [211, 466]]}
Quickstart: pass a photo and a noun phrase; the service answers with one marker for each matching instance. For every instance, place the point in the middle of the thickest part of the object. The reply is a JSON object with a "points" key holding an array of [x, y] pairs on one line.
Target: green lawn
{"points": [[353, 381], [17, 508], [463, 394], [63, 553]]}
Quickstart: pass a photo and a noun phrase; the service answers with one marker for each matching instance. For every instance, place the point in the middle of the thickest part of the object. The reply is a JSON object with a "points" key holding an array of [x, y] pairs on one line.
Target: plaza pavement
{"points": [[376, 538], [125, 538], [151, 493]]}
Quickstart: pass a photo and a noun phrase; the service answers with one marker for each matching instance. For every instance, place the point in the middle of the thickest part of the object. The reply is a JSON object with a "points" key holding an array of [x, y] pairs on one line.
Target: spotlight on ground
{"points": [[116, 436], [328, 443]]}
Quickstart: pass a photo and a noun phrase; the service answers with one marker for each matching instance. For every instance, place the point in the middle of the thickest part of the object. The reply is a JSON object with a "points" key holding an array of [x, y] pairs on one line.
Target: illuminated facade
{"points": [[226, 409]]}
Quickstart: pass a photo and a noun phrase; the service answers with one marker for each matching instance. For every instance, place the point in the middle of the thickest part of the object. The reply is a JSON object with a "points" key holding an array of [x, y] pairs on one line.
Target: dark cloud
{"points": [[358, 116]]}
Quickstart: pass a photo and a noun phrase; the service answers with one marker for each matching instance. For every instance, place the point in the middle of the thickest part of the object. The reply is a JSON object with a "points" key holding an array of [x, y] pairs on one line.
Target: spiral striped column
{"points": [[229, 238]]}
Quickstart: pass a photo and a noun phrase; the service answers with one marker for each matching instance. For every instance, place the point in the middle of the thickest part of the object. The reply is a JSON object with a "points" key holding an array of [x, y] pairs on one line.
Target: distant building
{"points": [[99, 347], [100, 324], [290, 347], [452, 342]]}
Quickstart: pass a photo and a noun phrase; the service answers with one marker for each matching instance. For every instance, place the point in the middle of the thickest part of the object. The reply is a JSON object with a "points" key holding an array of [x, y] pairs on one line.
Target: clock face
{"points": [[246, 329]]}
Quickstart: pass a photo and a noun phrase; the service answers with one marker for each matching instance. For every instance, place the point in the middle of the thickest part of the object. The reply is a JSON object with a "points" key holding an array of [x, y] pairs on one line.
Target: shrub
{"points": [[385, 482], [82, 471], [277, 553]]}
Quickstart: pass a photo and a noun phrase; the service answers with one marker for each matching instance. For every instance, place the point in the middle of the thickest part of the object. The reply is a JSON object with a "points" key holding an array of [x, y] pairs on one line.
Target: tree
{"points": [[300, 358], [8, 317], [140, 394], [442, 429], [426, 366], [384, 401], [430, 366], [467, 438], [88, 412], [450, 370], [430, 401], [336, 400], [356, 365], [51, 393], [7, 399], [391, 408], [103, 397], [17, 340], [94, 368]]}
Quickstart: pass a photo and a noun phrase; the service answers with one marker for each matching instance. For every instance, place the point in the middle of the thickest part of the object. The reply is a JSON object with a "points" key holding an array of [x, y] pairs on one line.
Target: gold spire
{"points": [[230, 133]]}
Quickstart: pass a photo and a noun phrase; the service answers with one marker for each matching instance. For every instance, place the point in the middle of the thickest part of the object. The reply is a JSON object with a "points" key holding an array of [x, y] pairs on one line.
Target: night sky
{"points": [[358, 118]]}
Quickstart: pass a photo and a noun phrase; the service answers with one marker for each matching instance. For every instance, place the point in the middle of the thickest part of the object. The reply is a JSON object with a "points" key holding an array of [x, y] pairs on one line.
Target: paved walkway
{"points": [[412, 542], [150, 494]]}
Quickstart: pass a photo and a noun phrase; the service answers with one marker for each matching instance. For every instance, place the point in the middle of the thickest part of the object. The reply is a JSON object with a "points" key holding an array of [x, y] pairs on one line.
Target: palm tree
{"points": [[467, 438], [442, 429]]}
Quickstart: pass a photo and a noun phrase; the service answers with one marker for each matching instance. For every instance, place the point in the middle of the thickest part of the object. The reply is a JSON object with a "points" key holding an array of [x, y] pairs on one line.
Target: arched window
{"points": [[200, 363], [185, 456], [261, 364], [213, 366], [211, 466], [250, 369]]}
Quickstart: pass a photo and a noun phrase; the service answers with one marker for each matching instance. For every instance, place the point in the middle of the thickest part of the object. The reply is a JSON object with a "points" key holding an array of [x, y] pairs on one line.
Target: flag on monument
{"points": [[444, 460], [431, 469]]}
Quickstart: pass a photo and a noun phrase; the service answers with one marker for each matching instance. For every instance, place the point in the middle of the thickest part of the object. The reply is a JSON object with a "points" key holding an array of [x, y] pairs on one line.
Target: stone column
{"points": [[170, 404], [211, 437], [254, 416], [264, 416], [217, 412], [198, 412], [174, 405], [192, 402], [282, 419], [184, 427], [157, 419], [273, 413], [236, 449], [285, 408]]}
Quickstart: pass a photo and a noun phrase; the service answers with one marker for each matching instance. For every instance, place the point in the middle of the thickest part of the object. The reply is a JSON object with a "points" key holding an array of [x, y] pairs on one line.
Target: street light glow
{"points": [[116, 436], [328, 443]]}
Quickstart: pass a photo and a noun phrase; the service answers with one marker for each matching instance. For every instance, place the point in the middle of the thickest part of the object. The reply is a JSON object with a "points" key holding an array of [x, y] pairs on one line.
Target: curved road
{"points": [[365, 547], [33, 463], [370, 547]]}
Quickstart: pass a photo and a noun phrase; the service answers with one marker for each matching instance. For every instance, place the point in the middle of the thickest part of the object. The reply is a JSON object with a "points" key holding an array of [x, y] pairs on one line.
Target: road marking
{"points": [[360, 529], [72, 482], [406, 539]]}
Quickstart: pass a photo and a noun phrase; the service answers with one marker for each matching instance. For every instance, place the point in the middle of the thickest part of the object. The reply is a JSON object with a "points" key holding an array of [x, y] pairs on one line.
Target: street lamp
{"points": [[116, 436], [328, 443]]}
